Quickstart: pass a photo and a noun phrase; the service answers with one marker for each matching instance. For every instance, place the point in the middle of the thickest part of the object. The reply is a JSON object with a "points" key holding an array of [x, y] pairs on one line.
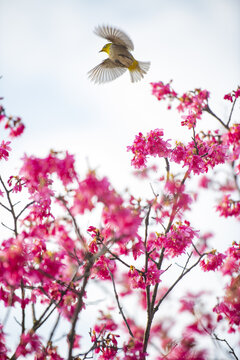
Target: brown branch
{"points": [[208, 110], [229, 346], [231, 112], [5, 207], [87, 273], [25, 207], [77, 230], [184, 272], [119, 306], [54, 328], [11, 206], [23, 306]]}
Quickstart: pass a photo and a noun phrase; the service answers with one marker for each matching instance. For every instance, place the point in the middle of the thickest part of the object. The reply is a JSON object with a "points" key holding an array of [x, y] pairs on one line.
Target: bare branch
{"points": [[25, 207], [119, 306], [177, 281], [230, 116], [208, 110], [231, 351]]}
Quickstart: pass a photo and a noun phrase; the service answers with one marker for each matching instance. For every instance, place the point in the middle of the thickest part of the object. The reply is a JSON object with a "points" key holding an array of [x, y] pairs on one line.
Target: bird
{"points": [[119, 57]]}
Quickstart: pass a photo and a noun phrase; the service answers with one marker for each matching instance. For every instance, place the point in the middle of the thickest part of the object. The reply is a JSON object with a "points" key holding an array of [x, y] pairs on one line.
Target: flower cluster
{"points": [[232, 140], [212, 262], [229, 308], [29, 344], [232, 261], [175, 242], [228, 207], [193, 103], [92, 190], [14, 124], [163, 91], [36, 173], [4, 150], [151, 144], [234, 94], [199, 155], [142, 279]]}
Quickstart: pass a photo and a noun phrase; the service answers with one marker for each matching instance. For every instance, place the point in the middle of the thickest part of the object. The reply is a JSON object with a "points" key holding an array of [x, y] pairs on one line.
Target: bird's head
{"points": [[106, 48]]}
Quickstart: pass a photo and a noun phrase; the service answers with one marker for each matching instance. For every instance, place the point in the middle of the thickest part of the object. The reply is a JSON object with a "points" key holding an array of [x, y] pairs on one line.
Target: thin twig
{"points": [[7, 227], [77, 230], [119, 306], [23, 306], [11, 206], [25, 207], [177, 281], [230, 116], [229, 346], [5, 207], [208, 110], [54, 328], [71, 335]]}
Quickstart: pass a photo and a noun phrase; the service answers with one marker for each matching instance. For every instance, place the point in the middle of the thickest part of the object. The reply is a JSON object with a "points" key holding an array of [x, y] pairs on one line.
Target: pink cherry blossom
{"points": [[4, 150], [212, 261]]}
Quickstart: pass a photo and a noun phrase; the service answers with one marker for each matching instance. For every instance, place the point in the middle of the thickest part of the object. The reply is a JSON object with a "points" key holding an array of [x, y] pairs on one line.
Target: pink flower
{"points": [[162, 91], [153, 274], [92, 190], [228, 207], [212, 262], [199, 155], [101, 268], [230, 306], [17, 131], [177, 239], [155, 145], [228, 97], [139, 150], [13, 261], [232, 261], [29, 343], [204, 182], [152, 144], [120, 223], [136, 278], [3, 348], [193, 103], [232, 140], [233, 94], [4, 150]]}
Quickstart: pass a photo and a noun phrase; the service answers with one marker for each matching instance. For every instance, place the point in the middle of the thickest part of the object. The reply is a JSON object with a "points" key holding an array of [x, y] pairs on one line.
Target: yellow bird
{"points": [[120, 59]]}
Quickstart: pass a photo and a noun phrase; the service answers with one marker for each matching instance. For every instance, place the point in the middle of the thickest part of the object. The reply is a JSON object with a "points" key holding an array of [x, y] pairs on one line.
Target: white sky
{"points": [[47, 48]]}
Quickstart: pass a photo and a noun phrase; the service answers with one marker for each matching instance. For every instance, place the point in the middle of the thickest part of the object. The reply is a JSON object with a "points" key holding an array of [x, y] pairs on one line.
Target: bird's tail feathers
{"points": [[137, 72]]}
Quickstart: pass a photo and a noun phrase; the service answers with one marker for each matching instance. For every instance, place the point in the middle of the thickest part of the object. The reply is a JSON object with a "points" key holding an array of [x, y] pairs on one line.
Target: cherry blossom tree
{"points": [[50, 259]]}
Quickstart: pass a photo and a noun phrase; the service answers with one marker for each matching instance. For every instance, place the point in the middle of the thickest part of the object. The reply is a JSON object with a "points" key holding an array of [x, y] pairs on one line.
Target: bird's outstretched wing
{"points": [[106, 71], [114, 35]]}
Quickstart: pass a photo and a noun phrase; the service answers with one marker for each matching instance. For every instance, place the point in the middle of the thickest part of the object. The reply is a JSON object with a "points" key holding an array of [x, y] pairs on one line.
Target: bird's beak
{"points": [[101, 51]]}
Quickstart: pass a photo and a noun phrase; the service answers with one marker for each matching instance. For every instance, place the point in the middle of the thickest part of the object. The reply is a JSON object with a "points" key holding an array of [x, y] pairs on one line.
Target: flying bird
{"points": [[119, 57]]}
